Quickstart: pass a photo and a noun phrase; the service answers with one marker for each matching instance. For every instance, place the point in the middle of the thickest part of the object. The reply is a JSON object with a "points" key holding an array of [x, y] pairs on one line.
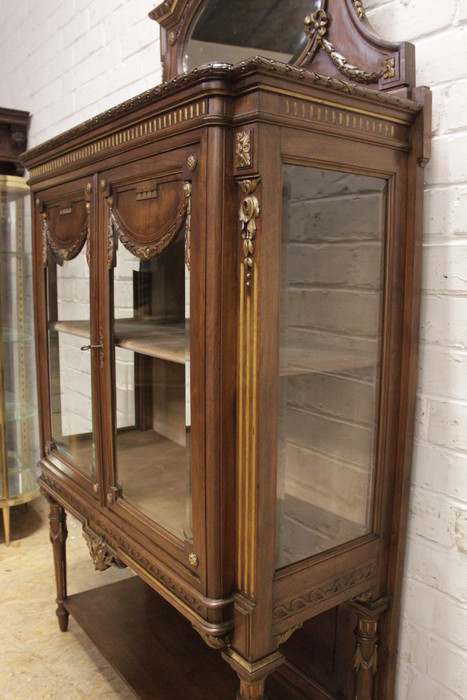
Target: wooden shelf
{"points": [[295, 361], [153, 648], [170, 341], [166, 341]]}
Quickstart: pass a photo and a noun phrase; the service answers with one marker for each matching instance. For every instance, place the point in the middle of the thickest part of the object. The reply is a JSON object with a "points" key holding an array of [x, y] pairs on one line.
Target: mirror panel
{"points": [[229, 32]]}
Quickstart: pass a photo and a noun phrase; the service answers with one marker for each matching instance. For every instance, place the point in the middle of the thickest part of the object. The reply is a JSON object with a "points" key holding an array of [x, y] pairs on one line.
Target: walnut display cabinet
{"points": [[227, 274]]}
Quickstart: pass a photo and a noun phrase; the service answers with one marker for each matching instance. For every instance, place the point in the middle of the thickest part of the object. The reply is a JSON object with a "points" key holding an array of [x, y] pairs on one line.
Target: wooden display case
{"points": [[227, 291], [18, 411]]}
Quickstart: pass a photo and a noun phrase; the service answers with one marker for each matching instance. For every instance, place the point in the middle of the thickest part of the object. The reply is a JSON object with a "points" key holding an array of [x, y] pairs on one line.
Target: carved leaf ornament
{"points": [[316, 26]]}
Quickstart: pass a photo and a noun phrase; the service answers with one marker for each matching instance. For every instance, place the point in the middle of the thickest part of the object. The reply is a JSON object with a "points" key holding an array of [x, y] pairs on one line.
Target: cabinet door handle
{"points": [[90, 347], [99, 346]]}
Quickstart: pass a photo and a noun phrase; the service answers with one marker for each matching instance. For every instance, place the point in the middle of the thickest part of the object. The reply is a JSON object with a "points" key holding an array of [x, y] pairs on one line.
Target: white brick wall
{"points": [[66, 61]]}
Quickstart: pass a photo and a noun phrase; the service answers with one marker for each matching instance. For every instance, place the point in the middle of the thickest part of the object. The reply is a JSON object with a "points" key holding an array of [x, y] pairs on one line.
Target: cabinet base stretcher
{"points": [[154, 649]]}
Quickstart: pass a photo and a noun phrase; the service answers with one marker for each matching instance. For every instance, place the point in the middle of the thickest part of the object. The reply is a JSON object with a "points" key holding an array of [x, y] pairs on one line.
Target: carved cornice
{"points": [[324, 592], [261, 66]]}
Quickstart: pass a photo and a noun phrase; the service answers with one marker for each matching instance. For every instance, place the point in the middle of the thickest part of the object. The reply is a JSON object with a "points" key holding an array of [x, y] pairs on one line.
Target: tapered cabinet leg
{"points": [[58, 535], [252, 675], [6, 524], [366, 653], [251, 691]]}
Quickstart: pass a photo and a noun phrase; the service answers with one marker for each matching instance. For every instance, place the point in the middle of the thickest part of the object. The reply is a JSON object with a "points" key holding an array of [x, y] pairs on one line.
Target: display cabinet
{"points": [[18, 412], [227, 273]]}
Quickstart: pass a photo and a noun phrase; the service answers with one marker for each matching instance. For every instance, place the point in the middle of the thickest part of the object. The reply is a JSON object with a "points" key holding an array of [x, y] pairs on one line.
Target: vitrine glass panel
{"points": [[19, 449], [333, 232], [152, 385], [233, 31], [70, 361]]}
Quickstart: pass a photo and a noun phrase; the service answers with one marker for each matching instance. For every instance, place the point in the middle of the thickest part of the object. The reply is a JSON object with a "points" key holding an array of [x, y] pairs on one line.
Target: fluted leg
{"points": [[58, 535], [366, 654], [252, 675]]}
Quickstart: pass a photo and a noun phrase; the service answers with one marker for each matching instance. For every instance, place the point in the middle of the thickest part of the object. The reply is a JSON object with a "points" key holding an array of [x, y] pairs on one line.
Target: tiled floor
{"points": [[37, 661]]}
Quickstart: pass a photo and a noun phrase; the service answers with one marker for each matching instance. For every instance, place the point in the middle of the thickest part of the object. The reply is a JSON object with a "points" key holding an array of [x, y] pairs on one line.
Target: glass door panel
{"points": [[333, 233], [70, 363], [152, 384]]}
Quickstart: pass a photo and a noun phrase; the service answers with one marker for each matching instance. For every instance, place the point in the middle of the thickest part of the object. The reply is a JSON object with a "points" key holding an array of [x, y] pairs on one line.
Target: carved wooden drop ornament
{"points": [[227, 285]]}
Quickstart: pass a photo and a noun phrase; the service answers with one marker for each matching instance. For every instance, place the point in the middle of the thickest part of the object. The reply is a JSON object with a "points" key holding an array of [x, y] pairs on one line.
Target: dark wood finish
{"points": [[14, 125], [201, 158], [58, 536]]}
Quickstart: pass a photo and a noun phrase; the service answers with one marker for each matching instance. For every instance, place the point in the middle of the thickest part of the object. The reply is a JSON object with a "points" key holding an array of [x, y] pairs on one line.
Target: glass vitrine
{"points": [[18, 408], [226, 290]]}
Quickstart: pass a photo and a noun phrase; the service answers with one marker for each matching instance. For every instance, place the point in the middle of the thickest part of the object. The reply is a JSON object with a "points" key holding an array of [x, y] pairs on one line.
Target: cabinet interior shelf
{"points": [[166, 341], [170, 341]]}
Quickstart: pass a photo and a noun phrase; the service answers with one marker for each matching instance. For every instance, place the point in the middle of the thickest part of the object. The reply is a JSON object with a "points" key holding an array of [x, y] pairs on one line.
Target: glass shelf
{"points": [[12, 336], [16, 410]]}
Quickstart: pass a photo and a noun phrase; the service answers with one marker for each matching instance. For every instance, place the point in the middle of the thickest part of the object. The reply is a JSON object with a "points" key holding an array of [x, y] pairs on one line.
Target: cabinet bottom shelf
{"points": [[153, 648]]}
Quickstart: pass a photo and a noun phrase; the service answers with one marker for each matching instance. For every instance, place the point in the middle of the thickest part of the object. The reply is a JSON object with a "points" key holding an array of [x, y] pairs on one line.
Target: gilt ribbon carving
{"points": [[316, 26], [118, 231], [248, 213]]}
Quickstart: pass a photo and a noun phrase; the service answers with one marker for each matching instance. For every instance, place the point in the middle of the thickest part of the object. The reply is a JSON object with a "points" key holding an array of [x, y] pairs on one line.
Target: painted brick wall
{"points": [[66, 61]]}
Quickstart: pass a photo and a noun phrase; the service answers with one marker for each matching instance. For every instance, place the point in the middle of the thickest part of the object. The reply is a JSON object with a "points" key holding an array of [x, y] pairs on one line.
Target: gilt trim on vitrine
{"points": [[118, 229], [192, 111], [247, 394], [248, 214], [316, 26], [102, 557], [62, 253], [124, 137]]}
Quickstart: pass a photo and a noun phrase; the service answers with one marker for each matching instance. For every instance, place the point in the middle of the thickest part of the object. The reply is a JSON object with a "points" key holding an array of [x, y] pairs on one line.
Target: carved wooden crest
{"points": [[331, 37]]}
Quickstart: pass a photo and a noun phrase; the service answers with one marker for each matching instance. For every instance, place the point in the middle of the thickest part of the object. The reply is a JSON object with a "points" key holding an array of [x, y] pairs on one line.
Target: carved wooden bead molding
{"points": [[359, 9]]}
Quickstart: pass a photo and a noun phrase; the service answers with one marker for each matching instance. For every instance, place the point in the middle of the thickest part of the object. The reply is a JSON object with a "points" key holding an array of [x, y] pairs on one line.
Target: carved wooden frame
{"points": [[334, 26]]}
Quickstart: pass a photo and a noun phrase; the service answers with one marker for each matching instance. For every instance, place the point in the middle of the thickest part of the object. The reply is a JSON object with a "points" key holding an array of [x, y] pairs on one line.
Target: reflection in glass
{"points": [[70, 367], [229, 32], [330, 334], [152, 385], [19, 449]]}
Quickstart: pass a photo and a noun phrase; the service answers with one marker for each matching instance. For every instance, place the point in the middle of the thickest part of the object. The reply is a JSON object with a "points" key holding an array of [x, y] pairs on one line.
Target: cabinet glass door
{"points": [[69, 358], [332, 281], [151, 312]]}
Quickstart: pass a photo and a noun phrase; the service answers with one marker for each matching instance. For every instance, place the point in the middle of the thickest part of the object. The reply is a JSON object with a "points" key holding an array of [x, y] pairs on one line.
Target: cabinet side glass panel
{"points": [[70, 360], [333, 234], [152, 385], [18, 409]]}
